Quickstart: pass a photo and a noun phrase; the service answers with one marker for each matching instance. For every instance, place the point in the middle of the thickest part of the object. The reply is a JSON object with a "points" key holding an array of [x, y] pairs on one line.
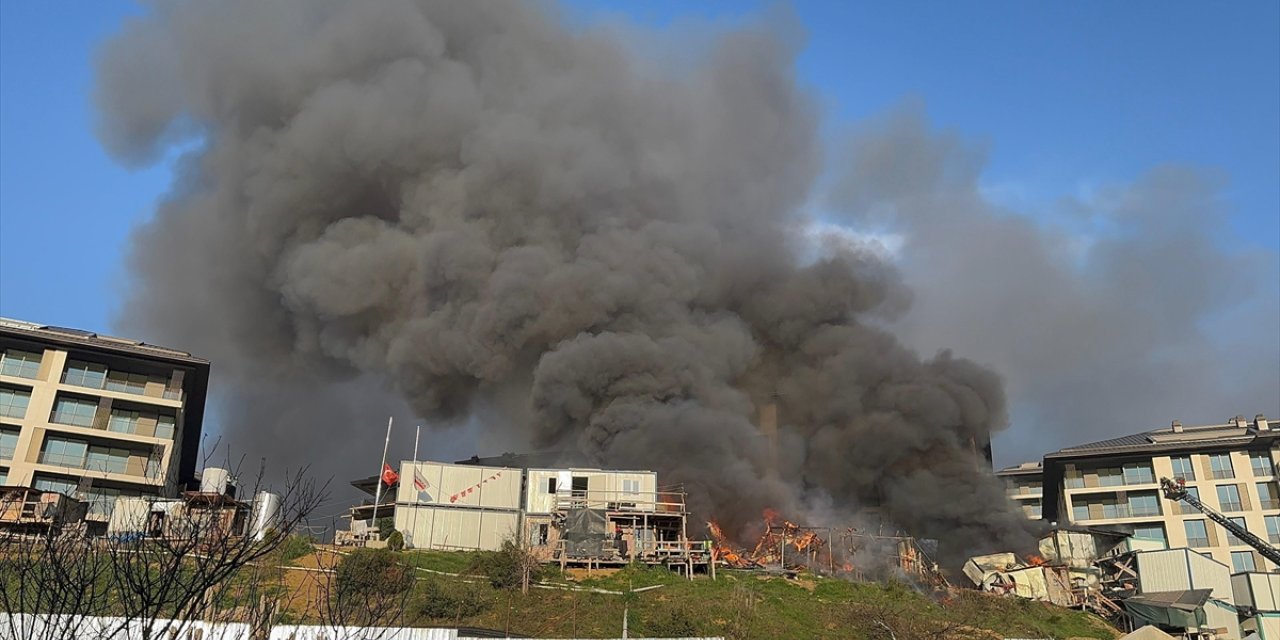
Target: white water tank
{"points": [[215, 480], [266, 514]]}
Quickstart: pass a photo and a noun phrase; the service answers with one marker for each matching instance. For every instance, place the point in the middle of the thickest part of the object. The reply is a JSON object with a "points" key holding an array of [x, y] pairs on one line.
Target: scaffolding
{"points": [[596, 529]]}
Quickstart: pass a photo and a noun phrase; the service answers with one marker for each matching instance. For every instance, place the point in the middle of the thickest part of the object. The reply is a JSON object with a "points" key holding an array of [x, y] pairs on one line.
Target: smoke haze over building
{"points": [[541, 235]]}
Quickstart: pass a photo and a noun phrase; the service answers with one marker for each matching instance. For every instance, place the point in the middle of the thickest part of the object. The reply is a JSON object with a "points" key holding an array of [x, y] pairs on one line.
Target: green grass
{"points": [[446, 561], [746, 605]]}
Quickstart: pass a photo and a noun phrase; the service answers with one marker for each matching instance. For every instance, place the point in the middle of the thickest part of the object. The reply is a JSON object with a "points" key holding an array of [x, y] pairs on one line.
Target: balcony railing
{"points": [[1197, 542], [1269, 504], [78, 462], [7, 452]]}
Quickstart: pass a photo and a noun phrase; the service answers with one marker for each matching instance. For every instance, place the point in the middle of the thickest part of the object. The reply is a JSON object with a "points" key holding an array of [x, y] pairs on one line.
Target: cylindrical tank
{"points": [[214, 480], [266, 514]]}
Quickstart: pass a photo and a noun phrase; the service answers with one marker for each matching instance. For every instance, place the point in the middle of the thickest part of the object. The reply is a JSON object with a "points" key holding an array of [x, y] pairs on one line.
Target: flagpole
{"points": [[377, 494], [417, 494]]}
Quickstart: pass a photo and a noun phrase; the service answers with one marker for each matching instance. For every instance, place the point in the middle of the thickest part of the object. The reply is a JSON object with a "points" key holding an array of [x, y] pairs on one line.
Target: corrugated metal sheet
{"points": [[24, 626], [437, 527], [460, 485], [1258, 590], [98, 628], [306, 632], [1182, 569]]}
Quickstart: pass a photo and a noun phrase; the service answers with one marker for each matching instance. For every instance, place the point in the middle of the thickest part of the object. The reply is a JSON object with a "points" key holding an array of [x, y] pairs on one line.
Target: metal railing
{"points": [[658, 502]]}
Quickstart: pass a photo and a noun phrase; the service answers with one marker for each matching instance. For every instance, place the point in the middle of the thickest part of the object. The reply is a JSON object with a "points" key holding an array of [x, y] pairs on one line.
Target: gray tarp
{"points": [[584, 532]]}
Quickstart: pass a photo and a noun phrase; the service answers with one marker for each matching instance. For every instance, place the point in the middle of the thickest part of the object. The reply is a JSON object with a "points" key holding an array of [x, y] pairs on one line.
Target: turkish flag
{"points": [[389, 475]]}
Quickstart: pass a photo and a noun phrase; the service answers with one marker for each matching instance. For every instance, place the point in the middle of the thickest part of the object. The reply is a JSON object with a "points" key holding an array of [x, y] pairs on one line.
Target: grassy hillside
{"points": [[739, 605]]}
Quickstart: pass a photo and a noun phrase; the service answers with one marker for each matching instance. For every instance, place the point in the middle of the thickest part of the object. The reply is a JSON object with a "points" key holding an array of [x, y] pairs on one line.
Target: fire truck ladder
{"points": [[1177, 490]]}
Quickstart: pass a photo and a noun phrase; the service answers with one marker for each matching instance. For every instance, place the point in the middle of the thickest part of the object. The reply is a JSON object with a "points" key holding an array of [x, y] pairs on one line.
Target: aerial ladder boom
{"points": [[1177, 490]]}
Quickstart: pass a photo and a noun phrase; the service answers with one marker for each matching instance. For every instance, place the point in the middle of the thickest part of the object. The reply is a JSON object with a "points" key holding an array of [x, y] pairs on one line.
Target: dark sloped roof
{"points": [[80, 337], [1199, 437]]}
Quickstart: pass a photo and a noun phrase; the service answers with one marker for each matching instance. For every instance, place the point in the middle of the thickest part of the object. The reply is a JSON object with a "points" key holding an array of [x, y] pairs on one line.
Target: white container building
{"points": [[459, 506]]}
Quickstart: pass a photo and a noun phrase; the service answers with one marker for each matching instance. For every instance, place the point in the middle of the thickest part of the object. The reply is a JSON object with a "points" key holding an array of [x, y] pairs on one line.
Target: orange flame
{"points": [[1036, 561]]}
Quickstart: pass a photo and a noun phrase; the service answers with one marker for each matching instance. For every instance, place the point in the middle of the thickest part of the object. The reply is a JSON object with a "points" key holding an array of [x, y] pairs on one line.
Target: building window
{"points": [[1197, 534], [1144, 504], [1110, 477], [125, 382], [1229, 497], [8, 443], [1260, 461], [1079, 511], [85, 374], [1075, 479], [1151, 532], [164, 427], [630, 486], [1112, 509], [22, 364], [1268, 496], [75, 411], [1273, 528], [1182, 467], [551, 485], [108, 459], [124, 421], [1032, 508], [1140, 473], [4, 477], [1220, 466], [1242, 561], [57, 485], [64, 452], [13, 402], [1232, 540]]}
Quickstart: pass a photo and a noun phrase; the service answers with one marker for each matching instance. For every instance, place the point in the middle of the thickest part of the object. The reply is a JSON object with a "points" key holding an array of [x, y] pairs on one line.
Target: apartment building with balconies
{"points": [[1230, 467], [1024, 485], [97, 417]]}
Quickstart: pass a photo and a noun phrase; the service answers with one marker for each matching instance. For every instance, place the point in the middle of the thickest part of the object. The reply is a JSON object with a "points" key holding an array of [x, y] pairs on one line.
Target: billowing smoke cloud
{"points": [[535, 232], [1130, 311]]}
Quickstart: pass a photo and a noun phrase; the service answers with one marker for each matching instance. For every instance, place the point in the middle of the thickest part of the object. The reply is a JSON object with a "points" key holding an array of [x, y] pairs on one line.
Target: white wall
{"points": [[602, 487], [460, 485], [437, 527]]}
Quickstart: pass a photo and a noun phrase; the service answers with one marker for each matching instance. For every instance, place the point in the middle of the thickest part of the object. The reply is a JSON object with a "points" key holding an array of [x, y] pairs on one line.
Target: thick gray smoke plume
{"points": [[509, 223], [1133, 310]]}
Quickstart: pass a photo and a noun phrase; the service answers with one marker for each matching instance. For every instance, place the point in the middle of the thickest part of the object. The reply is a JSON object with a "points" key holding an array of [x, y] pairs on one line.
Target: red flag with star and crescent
{"points": [[389, 475]]}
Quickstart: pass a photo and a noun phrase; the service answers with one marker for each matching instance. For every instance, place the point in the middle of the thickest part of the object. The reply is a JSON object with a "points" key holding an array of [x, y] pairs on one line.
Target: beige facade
{"points": [[1231, 468], [96, 417], [1024, 485]]}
